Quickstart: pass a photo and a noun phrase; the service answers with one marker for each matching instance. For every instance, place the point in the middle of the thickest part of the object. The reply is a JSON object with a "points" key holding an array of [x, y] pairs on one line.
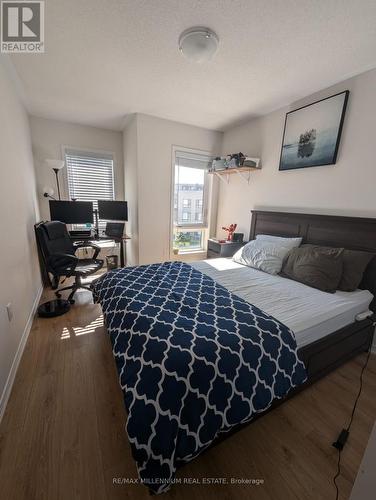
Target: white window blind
{"points": [[90, 176], [193, 160]]}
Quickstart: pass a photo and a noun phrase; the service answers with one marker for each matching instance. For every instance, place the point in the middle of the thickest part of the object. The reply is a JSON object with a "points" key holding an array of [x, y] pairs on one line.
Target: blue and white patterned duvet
{"points": [[193, 359]]}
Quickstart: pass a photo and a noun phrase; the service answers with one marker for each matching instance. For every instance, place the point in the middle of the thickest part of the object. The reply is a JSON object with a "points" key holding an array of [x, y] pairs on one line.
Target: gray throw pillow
{"points": [[354, 265], [315, 266]]}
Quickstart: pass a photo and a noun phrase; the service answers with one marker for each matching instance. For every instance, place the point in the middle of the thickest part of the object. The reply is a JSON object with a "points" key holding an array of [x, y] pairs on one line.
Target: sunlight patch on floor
{"points": [[76, 331]]}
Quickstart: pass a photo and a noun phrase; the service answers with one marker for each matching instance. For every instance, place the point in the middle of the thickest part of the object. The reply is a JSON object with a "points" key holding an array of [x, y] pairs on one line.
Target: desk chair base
{"points": [[53, 308], [76, 286]]}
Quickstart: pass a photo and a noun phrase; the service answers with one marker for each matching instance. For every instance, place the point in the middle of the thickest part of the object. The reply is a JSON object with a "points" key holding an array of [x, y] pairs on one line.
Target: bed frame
{"points": [[353, 233], [331, 351]]}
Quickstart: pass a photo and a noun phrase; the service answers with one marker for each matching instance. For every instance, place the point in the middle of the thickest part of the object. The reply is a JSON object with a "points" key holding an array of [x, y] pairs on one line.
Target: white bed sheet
{"points": [[311, 314]]}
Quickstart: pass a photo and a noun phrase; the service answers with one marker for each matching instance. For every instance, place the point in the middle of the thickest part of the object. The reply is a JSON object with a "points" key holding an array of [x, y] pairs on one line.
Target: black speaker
{"points": [[238, 237]]}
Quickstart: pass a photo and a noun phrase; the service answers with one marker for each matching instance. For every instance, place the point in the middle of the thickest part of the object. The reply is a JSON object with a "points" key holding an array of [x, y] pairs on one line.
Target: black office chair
{"points": [[58, 255]]}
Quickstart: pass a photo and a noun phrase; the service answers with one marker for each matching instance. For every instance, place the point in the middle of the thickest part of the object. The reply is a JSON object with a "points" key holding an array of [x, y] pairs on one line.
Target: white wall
{"points": [[48, 137], [155, 140], [20, 282], [347, 188], [130, 146]]}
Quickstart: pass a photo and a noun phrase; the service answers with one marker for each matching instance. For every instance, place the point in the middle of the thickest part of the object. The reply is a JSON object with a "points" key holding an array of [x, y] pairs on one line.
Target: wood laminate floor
{"points": [[63, 436]]}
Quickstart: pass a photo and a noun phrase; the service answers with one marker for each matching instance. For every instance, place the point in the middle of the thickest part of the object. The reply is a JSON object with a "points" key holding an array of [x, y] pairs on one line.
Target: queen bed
{"points": [[203, 350], [310, 313], [329, 351]]}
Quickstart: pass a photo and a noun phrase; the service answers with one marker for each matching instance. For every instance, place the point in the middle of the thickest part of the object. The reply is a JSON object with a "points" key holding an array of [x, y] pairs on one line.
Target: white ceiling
{"points": [[107, 59]]}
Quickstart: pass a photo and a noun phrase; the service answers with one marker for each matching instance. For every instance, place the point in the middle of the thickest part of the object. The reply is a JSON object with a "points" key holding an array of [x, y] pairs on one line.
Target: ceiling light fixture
{"points": [[198, 44]]}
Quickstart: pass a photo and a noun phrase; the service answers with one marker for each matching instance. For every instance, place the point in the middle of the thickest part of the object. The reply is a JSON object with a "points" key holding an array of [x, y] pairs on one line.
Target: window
{"points": [[189, 240], [190, 201], [90, 176]]}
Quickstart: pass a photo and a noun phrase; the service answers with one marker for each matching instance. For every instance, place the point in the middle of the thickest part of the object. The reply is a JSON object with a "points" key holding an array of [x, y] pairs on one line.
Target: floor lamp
{"points": [[56, 166], [58, 306]]}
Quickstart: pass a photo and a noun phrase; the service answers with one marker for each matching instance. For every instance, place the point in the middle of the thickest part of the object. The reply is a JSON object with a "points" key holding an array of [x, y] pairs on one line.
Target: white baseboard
{"points": [[21, 346]]}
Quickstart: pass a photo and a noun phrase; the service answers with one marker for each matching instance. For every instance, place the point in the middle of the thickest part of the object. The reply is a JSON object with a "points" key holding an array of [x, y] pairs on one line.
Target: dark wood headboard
{"points": [[354, 233]]}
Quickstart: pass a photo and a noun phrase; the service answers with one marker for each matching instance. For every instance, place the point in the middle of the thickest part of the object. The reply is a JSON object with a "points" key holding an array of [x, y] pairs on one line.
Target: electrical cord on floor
{"points": [[342, 438], [338, 473]]}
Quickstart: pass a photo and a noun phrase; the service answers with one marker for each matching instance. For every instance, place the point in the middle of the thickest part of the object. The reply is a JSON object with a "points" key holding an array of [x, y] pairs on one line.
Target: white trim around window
{"points": [[202, 227], [86, 151]]}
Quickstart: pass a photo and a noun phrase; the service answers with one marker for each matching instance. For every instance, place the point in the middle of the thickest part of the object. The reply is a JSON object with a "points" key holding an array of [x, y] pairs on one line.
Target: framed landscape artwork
{"points": [[312, 133]]}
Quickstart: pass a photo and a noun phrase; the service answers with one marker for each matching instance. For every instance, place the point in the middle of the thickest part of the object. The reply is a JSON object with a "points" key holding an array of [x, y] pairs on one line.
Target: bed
{"points": [[310, 313], [353, 233], [203, 350]]}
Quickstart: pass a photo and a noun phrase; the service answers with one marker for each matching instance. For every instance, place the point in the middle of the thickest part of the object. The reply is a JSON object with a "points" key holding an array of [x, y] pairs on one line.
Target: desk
{"points": [[102, 237]]}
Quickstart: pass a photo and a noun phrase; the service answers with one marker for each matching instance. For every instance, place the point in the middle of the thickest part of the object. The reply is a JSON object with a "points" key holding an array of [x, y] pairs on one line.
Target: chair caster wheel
{"points": [[71, 301], [58, 295]]}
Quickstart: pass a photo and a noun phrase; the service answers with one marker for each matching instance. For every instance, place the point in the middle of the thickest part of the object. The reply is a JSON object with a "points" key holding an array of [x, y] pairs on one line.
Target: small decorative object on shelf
{"points": [[235, 163], [234, 160], [218, 164], [230, 230], [251, 162]]}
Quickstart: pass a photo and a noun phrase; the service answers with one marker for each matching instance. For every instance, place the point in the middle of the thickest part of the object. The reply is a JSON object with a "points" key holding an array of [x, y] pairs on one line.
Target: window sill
{"points": [[190, 256], [189, 252]]}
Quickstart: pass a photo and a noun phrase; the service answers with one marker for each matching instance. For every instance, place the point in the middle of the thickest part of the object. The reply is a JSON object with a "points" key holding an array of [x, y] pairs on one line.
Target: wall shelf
{"points": [[244, 172]]}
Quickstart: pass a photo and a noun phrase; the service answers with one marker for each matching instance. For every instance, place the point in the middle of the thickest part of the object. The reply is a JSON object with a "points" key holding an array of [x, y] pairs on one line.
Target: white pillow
{"points": [[264, 255], [290, 242]]}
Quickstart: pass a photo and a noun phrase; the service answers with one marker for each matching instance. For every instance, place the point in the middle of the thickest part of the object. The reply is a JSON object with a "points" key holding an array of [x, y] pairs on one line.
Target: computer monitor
{"points": [[113, 210], [72, 212]]}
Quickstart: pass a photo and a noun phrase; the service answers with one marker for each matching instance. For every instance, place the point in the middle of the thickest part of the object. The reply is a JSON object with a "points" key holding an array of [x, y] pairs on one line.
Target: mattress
{"points": [[311, 314]]}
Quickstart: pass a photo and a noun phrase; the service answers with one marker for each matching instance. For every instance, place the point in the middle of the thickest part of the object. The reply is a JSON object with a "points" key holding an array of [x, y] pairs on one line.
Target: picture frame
{"points": [[312, 133]]}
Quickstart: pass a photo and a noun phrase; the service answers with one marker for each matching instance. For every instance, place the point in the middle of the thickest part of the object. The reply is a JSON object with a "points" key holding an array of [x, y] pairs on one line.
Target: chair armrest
{"points": [[62, 264], [86, 244]]}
